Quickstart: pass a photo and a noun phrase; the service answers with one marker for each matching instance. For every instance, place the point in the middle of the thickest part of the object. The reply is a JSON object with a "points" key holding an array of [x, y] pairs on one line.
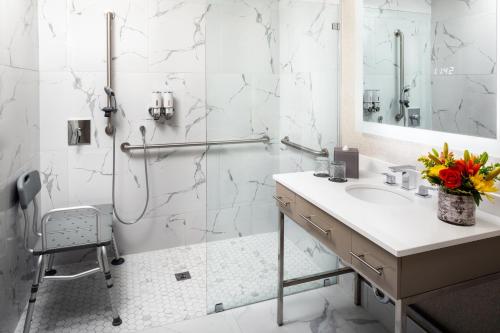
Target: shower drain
{"points": [[183, 276]]}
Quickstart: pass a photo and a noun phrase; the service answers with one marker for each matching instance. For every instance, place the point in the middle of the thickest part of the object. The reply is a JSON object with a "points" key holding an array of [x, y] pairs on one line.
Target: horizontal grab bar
{"points": [[127, 146], [323, 152]]}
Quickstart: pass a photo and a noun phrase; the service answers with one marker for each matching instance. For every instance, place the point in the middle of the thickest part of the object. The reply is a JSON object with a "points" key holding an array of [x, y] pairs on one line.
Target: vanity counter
{"points": [[401, 230]]}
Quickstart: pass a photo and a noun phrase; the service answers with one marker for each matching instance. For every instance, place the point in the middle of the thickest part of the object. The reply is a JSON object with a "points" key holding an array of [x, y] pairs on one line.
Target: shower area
{"points": [[251, 71]]}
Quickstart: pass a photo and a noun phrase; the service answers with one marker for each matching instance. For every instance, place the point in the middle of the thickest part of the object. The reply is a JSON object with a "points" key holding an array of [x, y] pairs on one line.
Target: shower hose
{"points": [[143, 132]]}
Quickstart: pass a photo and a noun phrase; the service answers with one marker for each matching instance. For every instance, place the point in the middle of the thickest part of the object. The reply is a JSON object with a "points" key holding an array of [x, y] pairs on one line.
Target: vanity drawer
{"points": [[285, 199], [332, 233], [375, 263]]}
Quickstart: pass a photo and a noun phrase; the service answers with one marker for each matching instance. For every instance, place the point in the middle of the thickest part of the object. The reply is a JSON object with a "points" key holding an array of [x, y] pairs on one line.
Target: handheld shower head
{"points": [[109, 91]]}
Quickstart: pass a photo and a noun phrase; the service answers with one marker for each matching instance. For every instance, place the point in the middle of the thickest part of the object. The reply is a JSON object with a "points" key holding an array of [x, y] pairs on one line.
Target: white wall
{"points": [[19, 148]]}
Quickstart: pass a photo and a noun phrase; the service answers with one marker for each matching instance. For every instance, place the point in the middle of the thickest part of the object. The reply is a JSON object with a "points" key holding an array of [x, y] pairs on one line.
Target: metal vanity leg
{"points": [[357, 289], [281, 257], [400, 323]]}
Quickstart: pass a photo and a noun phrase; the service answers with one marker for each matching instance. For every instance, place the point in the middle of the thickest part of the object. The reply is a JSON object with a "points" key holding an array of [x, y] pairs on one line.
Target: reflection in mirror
{"points": [[431, 64]]}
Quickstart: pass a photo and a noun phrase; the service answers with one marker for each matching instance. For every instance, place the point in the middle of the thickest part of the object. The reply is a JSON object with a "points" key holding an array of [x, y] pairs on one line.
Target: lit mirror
{"points": [[431, 64]]}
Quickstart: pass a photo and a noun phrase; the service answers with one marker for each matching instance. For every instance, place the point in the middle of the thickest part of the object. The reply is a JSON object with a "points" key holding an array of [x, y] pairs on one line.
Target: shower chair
{"points": [[62, 230]]}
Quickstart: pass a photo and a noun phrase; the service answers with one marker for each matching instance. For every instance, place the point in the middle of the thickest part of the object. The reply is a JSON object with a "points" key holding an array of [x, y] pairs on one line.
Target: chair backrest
{"points": [[28, 186]]}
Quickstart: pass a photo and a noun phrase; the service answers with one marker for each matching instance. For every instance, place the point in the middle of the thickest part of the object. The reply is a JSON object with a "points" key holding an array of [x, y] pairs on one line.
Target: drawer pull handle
{"points": [[281, 202], [360, 257], [308, 219]]}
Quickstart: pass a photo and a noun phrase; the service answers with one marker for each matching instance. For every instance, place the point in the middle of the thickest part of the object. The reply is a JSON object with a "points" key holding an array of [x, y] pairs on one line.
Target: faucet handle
{"points": [[389, 178], [423, 191]]}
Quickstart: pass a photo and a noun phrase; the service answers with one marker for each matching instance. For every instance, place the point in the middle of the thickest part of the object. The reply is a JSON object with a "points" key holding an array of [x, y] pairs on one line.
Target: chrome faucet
{"points": [[409, 175]]}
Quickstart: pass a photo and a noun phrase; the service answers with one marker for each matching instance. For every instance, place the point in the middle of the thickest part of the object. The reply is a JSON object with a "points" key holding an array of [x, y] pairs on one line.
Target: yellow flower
{"points": [[483, 185], [434, 171]]}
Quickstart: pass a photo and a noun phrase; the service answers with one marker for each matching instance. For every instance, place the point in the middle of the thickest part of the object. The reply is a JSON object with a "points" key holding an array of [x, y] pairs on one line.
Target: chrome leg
{"points": [[118, 260], [102, 257], [357, 289], [50, 271], [281, 257], [400, 323], [34, 290]]}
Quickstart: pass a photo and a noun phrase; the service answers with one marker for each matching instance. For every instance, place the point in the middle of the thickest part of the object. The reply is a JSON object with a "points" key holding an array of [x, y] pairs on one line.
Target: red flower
{"points": [[451, 177], [467, 168]]}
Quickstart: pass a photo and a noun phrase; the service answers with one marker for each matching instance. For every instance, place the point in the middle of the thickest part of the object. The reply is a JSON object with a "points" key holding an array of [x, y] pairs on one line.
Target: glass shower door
{"points": [[247, 77]]}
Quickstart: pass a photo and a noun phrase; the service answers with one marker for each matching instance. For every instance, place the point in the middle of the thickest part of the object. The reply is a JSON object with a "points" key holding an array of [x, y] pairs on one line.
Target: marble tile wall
{"points": [[19, 147], [464, 61], [238, 69], [159, 46]]}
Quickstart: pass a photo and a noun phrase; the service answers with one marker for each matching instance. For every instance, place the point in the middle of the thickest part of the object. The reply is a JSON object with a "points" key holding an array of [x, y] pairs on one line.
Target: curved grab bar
{"points": [[323, 152]]}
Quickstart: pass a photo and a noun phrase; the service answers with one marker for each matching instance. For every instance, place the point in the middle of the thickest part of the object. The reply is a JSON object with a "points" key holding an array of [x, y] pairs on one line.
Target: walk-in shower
{"points": [[243, 75]]}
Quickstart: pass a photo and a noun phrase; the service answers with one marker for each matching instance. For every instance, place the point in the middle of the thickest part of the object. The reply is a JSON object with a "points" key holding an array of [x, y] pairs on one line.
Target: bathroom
{"points": [[195, 128]]}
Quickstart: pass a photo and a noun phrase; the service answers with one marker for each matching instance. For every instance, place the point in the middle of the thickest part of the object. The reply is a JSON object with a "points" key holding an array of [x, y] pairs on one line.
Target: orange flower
{"points": [[468, 168]]}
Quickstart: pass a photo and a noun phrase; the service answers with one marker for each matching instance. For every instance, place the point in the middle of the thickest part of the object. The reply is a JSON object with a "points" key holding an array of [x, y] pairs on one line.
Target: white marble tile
{"points": [[19, 119], [461, 103], [176, 40], [227, 51], [54, 179], [52, 30], [19, 38], [307, 41]]}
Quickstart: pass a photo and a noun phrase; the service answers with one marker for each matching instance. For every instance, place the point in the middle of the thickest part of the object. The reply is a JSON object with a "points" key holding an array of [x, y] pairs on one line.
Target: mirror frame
{"points": [[417, 135]]}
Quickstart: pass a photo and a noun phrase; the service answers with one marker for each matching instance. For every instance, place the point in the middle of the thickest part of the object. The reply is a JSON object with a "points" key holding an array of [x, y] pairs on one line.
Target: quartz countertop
{"points": [[401, 230]]}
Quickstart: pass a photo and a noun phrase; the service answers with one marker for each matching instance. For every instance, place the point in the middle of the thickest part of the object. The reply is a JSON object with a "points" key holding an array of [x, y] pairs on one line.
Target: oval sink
{"points": [[378, 194]]}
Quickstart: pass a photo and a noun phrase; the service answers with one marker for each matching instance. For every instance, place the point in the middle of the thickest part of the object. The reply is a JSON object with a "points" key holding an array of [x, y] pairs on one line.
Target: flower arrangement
{"points": [[470, 175]]}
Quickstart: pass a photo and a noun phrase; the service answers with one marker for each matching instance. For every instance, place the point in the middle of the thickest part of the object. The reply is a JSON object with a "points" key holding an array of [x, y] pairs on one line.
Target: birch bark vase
{"points": [[456, 209]]}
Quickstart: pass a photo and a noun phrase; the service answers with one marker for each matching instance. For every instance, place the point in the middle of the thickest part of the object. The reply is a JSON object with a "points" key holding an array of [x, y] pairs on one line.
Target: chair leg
{"points": [[118, 260], [50, 271], [102, 257], [34, 290]]}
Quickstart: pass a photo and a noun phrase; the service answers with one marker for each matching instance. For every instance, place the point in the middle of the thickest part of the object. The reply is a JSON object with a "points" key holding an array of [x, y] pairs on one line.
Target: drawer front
{"points": [[285, 199], [322, 226], [375, 263]]}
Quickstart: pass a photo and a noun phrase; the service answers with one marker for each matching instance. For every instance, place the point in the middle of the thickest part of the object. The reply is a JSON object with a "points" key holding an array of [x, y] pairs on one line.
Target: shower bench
{"points": [[401, 279]]}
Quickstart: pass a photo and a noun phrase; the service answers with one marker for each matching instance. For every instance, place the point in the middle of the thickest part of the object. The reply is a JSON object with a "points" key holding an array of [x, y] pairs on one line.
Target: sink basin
{"points": [[378, 194]]}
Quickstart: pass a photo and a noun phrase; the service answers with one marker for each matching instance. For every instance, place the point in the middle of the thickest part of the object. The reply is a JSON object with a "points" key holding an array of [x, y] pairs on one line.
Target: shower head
{"points": [[109, 91]]}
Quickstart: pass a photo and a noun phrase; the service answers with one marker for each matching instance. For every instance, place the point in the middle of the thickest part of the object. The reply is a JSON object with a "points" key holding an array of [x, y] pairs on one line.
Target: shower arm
{"points": [[109, 80], [401, 115]]}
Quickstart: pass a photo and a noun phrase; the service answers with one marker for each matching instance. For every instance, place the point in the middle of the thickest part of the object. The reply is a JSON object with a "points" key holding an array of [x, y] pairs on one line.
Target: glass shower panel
{"points": [[245, 70]]}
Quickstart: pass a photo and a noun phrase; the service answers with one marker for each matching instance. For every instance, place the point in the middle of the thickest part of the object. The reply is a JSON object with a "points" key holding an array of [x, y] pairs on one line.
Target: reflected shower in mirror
{"points": [[431, 64]]}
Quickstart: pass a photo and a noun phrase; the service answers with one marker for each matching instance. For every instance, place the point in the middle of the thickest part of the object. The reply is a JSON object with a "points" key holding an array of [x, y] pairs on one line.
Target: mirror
{"points": [[431, 64]]}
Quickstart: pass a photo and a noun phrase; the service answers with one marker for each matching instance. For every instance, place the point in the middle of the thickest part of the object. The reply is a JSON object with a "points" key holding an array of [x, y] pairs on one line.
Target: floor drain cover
{"points": [[182, 276]]}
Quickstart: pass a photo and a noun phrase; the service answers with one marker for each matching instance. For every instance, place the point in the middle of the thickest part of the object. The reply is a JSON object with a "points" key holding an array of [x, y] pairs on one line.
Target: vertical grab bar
{"points": [[399, 34], [109, 59]]}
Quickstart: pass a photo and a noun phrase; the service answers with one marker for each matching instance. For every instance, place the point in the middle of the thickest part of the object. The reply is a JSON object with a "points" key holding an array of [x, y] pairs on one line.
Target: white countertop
{"points": [[400, 230]]}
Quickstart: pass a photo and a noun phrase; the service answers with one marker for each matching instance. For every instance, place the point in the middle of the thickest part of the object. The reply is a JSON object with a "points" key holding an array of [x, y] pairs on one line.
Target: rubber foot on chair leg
{"points": [[117, 321], [51, 272], [117, 261]]}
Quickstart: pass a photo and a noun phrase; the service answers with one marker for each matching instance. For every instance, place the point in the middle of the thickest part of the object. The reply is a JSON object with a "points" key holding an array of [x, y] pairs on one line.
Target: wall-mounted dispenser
{"points": [[162, 105], [371, 100], [79, 132]]}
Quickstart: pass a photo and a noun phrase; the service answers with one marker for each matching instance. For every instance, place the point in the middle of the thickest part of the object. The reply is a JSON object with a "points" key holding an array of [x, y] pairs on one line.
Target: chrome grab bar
{"points": [[360, 257], [323, 152], [127, 146], [281, 202], [308, 219]]}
